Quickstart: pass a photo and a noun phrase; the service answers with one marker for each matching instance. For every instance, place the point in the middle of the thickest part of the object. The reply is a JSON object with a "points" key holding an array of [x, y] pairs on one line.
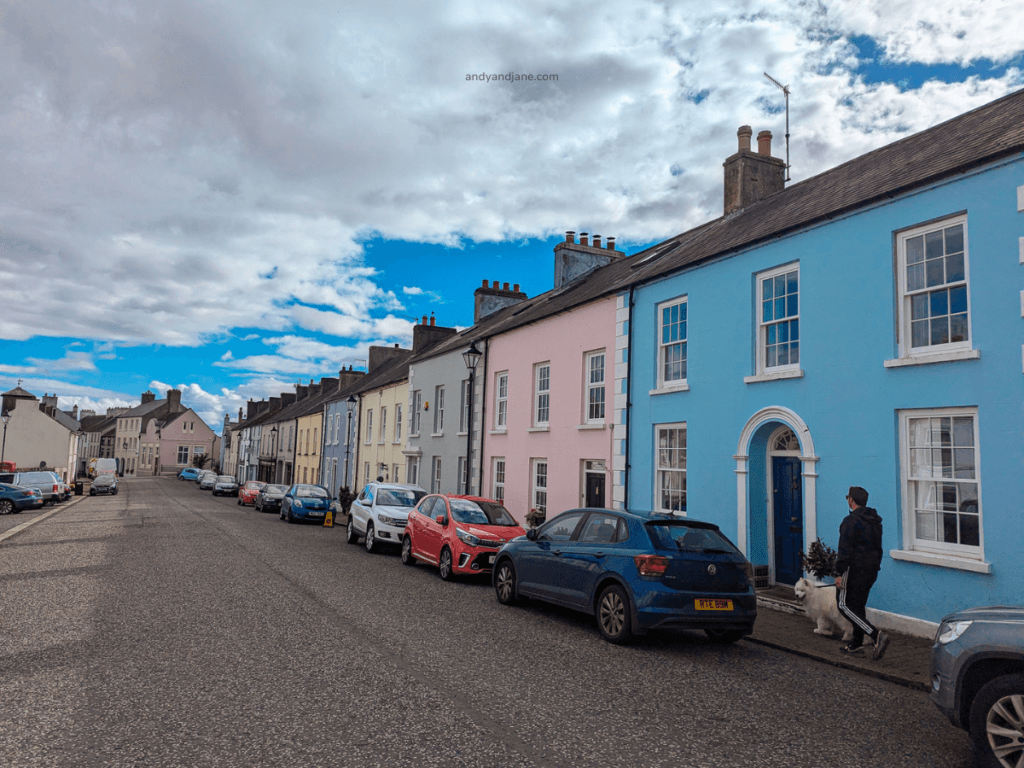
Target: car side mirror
{"points": [[532, 534], [439, 519]]}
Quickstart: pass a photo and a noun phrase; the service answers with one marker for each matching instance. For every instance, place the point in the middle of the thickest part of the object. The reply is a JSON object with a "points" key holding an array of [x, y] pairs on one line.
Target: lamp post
{"points": [[273, 450], [349, 404], [472, 357], [6, 417]]}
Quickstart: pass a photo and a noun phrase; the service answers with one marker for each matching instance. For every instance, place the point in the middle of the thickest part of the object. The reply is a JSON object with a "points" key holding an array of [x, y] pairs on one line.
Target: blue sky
{"points": [[198, 195]]}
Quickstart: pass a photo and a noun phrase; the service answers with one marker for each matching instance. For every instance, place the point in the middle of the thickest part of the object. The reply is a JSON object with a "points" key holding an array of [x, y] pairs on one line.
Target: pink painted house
{"points": [[169, 443]]}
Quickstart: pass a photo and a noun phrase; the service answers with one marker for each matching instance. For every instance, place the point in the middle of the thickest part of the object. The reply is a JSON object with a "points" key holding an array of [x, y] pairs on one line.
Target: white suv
{"points": [[381, 512]]}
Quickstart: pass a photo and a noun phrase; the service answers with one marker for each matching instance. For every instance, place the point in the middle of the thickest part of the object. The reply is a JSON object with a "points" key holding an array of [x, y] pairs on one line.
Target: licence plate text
{"points": [[706, 604]]}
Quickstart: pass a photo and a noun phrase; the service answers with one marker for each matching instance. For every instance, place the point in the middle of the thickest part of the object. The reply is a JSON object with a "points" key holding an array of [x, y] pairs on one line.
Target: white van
{"points": [[98, 466]]}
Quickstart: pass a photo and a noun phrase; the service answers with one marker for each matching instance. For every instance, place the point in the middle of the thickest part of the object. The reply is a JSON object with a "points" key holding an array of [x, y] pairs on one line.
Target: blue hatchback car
{"points": [[188, 473], [634, 572], [305, 502]]}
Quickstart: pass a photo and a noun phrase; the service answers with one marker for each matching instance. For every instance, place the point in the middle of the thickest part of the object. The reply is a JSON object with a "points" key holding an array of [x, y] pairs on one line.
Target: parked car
{"points": [[380, 513], [14, 498], [977, 673], [207, 481], [305, 502], [458, 534], [247, 493], [634, 572], [269, 499], [105, 482], [189, 473], [226, 485], [204, 473], [47, 483]]}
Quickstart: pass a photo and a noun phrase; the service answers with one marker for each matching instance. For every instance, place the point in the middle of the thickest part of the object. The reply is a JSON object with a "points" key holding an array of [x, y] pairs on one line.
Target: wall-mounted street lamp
{"points": [[349, 404], [472, 357]]}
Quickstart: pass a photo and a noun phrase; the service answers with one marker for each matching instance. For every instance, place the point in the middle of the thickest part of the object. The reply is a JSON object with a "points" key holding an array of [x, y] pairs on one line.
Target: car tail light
{"points": [[651, 565], [55, 488]]}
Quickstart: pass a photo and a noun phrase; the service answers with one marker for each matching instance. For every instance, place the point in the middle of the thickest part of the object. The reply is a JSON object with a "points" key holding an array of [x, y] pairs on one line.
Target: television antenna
{"points": [[785, 90]]}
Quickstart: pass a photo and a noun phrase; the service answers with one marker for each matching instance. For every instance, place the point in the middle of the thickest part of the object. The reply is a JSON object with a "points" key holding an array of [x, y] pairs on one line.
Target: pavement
{"points": [[782, 624]]}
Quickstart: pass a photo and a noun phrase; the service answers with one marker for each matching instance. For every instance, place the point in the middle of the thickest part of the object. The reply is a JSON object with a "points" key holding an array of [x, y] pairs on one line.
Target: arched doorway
{"points": [[776, 491]]}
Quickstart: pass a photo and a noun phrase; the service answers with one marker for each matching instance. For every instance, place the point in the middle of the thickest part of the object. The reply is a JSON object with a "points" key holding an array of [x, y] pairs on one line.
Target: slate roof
{"points": [[142, 409], [99, 424], [19, 392]]}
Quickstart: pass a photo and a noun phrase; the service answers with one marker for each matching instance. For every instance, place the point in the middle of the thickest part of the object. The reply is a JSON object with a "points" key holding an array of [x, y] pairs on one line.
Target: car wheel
{"points": [[407, 558], [371, 543], [6, 506], [350, 532], [239, 502], [505, 583], [997, 721], [613, 615], [92, 491], [724, 636], [290, 518], [444, 565], [52, 501], [114, 492]]}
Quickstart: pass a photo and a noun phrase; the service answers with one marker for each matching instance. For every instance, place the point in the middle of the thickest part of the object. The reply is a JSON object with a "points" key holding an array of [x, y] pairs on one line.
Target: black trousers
{"points": [[853, 602]]}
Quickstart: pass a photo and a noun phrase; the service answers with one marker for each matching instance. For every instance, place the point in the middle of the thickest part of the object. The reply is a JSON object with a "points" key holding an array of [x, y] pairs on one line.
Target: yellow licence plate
{"points": [[704, 604]]}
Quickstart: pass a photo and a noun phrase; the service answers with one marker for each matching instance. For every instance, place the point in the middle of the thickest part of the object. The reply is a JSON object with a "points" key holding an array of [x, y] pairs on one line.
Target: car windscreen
{"points": [[479, 513], [678, 536], [225, 479], [398, 497], [310, 492], [37, 477], [105, 477], [276, 490], [253, 486]]}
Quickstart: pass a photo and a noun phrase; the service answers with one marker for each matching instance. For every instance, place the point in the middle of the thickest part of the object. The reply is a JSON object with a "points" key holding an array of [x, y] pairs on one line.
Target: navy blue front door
{"points": [[788, 505]]}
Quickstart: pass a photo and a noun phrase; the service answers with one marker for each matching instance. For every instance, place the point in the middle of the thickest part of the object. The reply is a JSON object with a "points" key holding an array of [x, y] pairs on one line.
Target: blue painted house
{"points": [[862, 327]]}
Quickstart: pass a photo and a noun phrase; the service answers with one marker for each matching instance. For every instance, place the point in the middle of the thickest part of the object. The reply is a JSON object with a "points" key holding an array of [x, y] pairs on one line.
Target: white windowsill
{"points": [[461, 434], [943, 561], [538, 429], [498, 432], [665, 389], [796, 373], [437, 434], [584, 427], [941, 357]]}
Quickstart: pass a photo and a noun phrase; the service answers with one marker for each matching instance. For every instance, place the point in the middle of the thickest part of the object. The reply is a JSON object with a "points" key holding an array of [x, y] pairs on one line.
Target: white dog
{"points": [[820, 604]]}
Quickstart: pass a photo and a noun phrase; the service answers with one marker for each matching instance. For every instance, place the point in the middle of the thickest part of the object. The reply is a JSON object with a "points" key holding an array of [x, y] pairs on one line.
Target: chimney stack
{"points": [[426, 334], [752, 176], [573, 260], [488, 300], [174, 401]]}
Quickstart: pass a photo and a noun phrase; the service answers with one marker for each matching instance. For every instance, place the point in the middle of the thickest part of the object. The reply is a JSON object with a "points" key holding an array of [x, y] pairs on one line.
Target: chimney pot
{"points": [[516, 287], [744, 134], [597, 241], [764, 143], [431, 318], [570, 236], [423, 323], [485, 284], [584, 238], [504, 286], [396, 345], [495, 284], [611, 244]]}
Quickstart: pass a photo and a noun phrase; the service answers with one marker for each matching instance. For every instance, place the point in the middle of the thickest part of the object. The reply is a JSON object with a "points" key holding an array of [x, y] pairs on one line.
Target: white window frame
{"points": [[435, 474], [590, 386], [539, 484], [383, 424], [398, 423], [395, 469], [501, 400], [461, 475], [412, 470], [665, 346], [416, 407], [366, 473], [911, 542], [369, 427], [464, 416], [906, 296], [498, 479], [438, 410], [764, 326], [659, 468], [542, 397]]}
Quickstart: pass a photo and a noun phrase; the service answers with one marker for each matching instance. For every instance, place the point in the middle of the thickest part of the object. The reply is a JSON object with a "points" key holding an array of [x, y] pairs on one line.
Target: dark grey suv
{"points": [[977, 670]]}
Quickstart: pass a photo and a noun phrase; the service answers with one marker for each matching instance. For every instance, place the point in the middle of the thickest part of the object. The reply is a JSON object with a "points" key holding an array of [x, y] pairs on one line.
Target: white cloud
{"points": [[412, 291], [72, 361], [168, 208], [227, 356]]}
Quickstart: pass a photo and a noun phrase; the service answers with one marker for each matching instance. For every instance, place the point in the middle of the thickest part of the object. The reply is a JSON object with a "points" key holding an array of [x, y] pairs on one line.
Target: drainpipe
{"points": [[629, 398], [483, 422]]}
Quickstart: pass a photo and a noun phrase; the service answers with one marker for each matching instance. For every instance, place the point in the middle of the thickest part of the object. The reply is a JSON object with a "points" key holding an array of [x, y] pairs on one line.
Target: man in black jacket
{"points": [[857, 563]]}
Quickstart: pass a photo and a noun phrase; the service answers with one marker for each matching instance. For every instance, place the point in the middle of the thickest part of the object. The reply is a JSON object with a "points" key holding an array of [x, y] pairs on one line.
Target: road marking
{"points": [[51, 513]]}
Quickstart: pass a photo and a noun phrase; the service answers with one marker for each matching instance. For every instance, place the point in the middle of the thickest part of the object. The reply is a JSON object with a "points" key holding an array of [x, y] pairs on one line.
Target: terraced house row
{"points": [[862, 327]]}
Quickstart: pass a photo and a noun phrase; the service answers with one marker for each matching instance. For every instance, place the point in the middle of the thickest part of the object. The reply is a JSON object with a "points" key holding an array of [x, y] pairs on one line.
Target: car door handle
{"points": [[556, 552], [599, 554]]}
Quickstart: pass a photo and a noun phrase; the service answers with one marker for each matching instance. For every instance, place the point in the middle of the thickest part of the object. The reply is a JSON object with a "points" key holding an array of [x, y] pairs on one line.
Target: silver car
{"points": [[207, 481], [977, 672], [225, 484]]}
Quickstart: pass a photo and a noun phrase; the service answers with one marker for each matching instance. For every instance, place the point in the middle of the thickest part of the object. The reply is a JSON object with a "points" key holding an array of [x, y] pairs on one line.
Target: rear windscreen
{"points": [[680, 537]]}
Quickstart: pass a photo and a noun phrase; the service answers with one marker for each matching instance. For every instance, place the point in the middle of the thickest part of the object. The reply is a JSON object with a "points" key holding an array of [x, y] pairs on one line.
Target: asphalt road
{"points": [[163, 627]]}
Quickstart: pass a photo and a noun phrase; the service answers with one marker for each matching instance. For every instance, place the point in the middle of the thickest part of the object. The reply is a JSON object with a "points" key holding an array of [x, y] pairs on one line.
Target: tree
{"points": [[200, 460]]}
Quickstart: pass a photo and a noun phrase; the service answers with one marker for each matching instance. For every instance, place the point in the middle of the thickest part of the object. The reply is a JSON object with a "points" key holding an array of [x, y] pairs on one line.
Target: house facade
{"points": [[37, 435], [340, 451], [862, 327]]}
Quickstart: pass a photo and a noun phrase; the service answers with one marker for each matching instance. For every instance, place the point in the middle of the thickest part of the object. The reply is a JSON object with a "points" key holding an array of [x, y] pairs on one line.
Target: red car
{"points": [[458, 534], [248, 492]]}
